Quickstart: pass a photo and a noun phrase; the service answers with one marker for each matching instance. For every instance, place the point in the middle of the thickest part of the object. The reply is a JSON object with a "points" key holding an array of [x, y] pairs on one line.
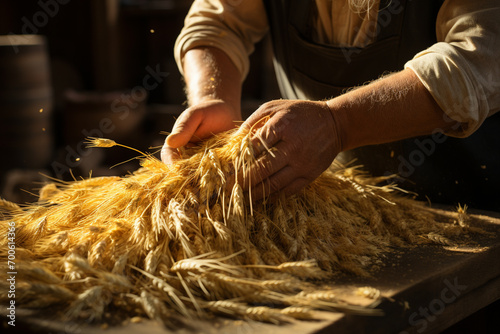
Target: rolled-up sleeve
{"points": [[462, 70], [233, 26]]}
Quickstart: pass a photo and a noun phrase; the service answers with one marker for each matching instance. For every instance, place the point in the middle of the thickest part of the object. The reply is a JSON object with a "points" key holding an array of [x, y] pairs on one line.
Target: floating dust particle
{"points": [[483, 166], [77, 159], [43, 129], [392, 153], [152, 31], [41, 110], [173, 243]]}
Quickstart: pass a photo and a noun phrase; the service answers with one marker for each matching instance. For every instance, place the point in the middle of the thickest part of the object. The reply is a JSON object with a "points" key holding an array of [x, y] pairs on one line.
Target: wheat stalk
{"points": [[174, 242]]}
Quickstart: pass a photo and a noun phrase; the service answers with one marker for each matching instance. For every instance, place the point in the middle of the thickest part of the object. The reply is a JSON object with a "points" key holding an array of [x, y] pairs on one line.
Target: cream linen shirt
{"points": [[461, 71]]}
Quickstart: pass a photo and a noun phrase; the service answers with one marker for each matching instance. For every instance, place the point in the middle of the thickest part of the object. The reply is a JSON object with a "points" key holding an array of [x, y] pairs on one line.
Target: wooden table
{"points": [[424, 289]]}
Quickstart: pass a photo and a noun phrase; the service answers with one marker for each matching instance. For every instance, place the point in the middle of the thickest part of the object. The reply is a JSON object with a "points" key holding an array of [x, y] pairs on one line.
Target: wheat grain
{"points": [[302, 313], [37, 273], [462, 216], [52, 290], [8, 207], [120, 264], [439, 239], [264, 314], [368, 292], [100, 142], [152, 260], [320, 295]]}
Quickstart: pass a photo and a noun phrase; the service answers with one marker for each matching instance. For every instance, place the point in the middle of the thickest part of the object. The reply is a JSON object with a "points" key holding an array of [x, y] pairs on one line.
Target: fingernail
{"points": [[171, 140]]}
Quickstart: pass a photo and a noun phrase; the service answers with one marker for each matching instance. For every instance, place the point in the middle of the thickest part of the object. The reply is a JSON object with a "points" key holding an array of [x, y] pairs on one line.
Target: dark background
{"points": [[99, 52]]}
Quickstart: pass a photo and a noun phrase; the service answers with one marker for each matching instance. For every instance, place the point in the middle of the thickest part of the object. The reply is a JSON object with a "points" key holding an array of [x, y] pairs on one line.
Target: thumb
{"points": [[176, 140], [184, 129]]}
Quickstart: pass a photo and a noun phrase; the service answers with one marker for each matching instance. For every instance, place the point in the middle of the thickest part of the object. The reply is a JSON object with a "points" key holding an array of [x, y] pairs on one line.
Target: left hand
{"points": [[198, 122], [303, 137]]}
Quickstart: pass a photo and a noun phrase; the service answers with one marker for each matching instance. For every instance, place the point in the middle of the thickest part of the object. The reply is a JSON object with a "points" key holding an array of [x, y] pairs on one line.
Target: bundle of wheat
{"points": [[171, 242]]}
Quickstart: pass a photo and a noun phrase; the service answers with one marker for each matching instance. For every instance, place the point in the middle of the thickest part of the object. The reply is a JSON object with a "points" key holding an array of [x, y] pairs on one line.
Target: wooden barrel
{"points": [[26, 134]]}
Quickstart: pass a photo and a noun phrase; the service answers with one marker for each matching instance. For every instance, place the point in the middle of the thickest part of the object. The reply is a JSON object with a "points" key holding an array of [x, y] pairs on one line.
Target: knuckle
{"points": [[274, 184], [265, 167]]}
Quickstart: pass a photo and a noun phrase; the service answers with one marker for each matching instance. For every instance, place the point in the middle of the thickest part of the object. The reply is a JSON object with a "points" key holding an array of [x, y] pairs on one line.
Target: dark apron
{"points": [[440, 168]]}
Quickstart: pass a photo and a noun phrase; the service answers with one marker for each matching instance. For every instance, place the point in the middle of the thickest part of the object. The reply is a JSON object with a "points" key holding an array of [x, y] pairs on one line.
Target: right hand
{"points": [[293, 147], [198, 122]]}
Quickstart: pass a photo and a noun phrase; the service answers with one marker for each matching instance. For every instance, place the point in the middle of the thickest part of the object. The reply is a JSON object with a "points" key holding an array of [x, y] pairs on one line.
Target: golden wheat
{"points": [[173, 242]]}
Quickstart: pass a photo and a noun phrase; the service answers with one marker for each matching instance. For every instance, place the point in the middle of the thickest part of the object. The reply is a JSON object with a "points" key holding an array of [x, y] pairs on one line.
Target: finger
{"points": [[169, 154], [264, 139], [296, 186], [285, 181], [267, 164], [184, 128]]}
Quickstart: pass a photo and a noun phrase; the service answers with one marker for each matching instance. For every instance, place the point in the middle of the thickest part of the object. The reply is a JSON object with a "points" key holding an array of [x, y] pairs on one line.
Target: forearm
{"points": [[390, 109], [210, 74]]}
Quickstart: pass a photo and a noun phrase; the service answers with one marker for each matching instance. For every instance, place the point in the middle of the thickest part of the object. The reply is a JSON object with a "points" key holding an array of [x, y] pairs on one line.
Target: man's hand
{"points": [[198, 122], [213, 84], [302, 138], [305, 136]]}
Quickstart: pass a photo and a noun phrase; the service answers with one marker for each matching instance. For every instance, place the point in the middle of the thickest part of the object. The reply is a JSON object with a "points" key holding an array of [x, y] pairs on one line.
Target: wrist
{"points": [[339, 124], [218, 108], [393, 108], [210, 75]]}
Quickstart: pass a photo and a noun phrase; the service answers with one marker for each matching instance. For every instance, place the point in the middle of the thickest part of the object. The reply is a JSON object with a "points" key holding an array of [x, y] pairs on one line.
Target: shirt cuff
{"points": [[213, 37], [451, 82]]}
